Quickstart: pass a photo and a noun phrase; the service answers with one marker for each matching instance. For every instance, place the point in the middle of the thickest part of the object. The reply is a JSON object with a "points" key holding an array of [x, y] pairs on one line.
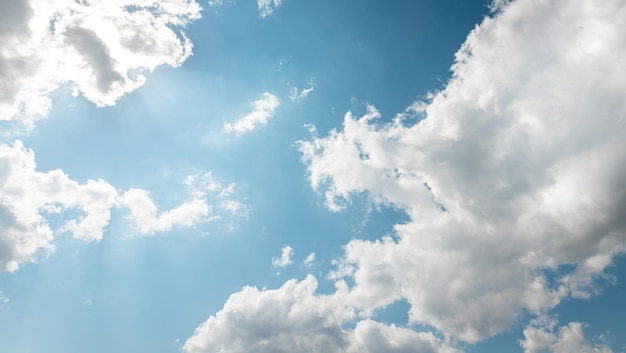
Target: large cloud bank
{"points": [[97, 48], [513, 178]]}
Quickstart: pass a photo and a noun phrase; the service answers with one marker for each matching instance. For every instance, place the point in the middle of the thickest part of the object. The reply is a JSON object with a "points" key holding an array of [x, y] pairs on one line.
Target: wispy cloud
{"points": [[3, 299], [309, 259], [296, 94], [266, 7], [285, 257], [544, 335], [263, 111]]}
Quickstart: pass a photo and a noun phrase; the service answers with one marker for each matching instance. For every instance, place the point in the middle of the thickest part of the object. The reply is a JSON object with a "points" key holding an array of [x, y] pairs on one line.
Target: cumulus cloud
{"points": [[99, 49], [509, 174], [28, 198], [294, 319], [263, 111], [544, 335], [512, 177], [285, 257], [266, 7]]}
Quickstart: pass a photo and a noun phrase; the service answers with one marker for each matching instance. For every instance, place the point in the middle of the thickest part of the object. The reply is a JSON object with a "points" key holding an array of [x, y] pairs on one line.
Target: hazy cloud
{"points": [[295, 94], [309, 259], [3, 299]]}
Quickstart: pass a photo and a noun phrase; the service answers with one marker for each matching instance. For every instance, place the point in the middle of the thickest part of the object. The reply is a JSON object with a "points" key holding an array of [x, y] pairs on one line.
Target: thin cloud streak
{"points": [[263, 111]]}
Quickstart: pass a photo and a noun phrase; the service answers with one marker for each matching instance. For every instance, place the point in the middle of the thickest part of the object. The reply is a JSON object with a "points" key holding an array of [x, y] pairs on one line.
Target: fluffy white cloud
{"points": [[28, 198], [263, 111], [510, 172], [98, 48], [543, 335], [266, 7], [143, 212], [294, 319], [285, 257], [513, 180], [373, 337]]}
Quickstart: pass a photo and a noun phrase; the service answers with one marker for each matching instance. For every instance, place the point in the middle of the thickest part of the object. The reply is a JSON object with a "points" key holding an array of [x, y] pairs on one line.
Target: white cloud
{"points": [[299, 95], [28, 198], [543, 335], [294, 319], [374, 337], [197, 209], [3, 299], [511, 176], [309, 259], [98, 48], [515, 170], [263, 111], [266, 7], [215, 2], [285, 257], [143, 212]]}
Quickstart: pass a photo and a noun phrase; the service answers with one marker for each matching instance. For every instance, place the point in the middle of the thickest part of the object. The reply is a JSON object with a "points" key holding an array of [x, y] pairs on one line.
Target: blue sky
{"points": [[312, 176]]}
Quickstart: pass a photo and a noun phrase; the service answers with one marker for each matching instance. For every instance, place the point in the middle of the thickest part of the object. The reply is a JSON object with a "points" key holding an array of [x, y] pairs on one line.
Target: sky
{"points": [[312, 176]]}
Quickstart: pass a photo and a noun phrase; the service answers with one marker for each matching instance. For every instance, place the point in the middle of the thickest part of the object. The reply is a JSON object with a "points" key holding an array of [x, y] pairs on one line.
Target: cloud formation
{"points": [[28, 198], [3, 298], [266, 7], [309, 259], [543, 335], [263, 111], [295, 94], [512, 177], [509, 174], [99, 49], [294, 319], [285, 257]]}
